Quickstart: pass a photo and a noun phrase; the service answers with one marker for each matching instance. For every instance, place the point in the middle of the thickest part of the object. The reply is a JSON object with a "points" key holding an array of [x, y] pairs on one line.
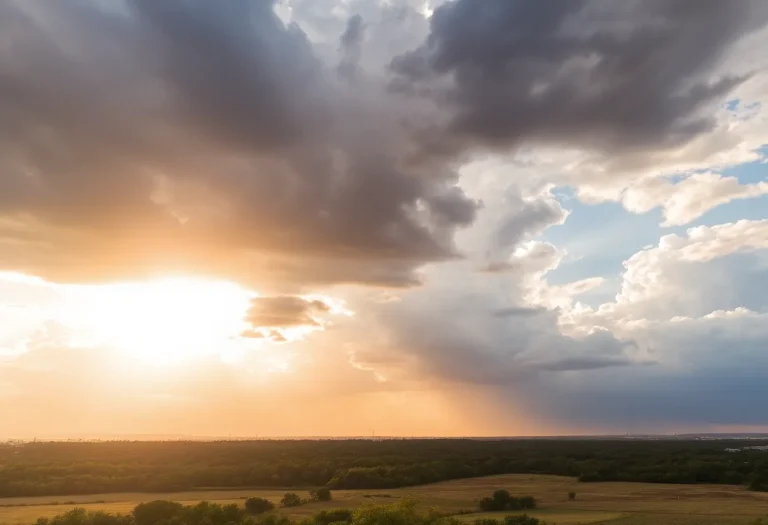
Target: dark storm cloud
{"points": [[200, 136], [209, 137], [285, 311], [721, 378], [450, 335], [610, 76], [233, 69]]}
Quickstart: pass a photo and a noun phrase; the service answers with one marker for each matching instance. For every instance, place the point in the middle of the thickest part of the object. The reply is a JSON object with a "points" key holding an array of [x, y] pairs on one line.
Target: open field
{"points": [[556, 516], [612, 503]]}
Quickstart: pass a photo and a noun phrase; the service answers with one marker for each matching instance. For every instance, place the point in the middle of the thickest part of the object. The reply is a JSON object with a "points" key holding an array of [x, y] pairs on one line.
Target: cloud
{"points": [[711, 268], [286, 311], [482, 329], [578, 73], [216, 143], [593, 94], [686, 333], [350, 44], [690, 198], [532, 257], [221, 140], [708, 375], [514, 311], [527, 218]]}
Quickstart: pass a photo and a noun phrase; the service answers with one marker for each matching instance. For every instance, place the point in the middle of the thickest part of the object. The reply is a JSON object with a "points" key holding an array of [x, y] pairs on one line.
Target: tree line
{"points": [[162, 512], [35, 469]]}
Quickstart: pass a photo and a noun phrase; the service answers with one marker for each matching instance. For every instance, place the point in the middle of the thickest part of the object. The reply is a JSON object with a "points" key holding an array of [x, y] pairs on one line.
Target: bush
{"points": [[571, 496], [527, 502], [326, 517], [321, 494], [80, 516], [404, 512], [291, 500], [502, 500], [258, 505], [758, 485], [486, 521], [487, 504], [521, 520], [401, 513], [151, 512]]}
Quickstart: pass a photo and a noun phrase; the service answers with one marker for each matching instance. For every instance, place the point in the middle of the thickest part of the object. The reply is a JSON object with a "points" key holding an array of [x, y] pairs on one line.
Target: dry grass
{"points": [[614, 503], [554, 516]]}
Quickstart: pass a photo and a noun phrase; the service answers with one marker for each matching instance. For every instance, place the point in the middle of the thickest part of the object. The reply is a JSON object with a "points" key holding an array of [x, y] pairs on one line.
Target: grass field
{"points": [[610, 503], [556, 516]]}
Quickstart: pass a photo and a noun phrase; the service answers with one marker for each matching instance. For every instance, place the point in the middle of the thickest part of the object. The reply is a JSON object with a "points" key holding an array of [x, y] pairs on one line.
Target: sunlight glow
{"points": [[162, 321]]}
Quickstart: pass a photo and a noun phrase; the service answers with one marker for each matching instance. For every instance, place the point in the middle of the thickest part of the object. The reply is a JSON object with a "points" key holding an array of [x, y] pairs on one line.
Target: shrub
{"points": [[486, 521], [151, 512], [571, 496], [758, 485], [258, 505], [290, 500], [321, 494], [80, 516], [487, 504], [527, 502], [502, 500], [521, 520], [327, 517]]}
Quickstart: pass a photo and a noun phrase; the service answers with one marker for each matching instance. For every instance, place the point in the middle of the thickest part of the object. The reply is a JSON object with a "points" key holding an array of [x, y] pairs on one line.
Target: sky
{"points": [[403, 217]]}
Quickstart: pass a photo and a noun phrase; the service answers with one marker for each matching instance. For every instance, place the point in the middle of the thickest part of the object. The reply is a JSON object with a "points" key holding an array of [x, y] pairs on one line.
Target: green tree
{"points": [[321, 494], [258, 505], [527, 502], [326, 517], [521, 520], [290, 500], [151, 512], [501, 499], [487, 504]]}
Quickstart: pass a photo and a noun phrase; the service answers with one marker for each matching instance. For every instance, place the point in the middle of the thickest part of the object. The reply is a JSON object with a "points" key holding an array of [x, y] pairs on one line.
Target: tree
{"points": [[487, 504], [521, 520], [527, 502], [501, 499], [151, 512], [571, 495], [758, 484], [258, 505], [326, 517], [321, 494], [290, 500]]}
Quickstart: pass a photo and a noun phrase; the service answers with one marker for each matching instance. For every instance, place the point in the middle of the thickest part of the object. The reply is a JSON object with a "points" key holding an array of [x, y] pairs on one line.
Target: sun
{"points": [[161, 321]]}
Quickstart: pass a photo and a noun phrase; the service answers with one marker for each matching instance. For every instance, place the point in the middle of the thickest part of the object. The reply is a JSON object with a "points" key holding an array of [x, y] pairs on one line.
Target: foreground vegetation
{"points": [[90, 468], [205, 513], [614, 503], [162, 512]]}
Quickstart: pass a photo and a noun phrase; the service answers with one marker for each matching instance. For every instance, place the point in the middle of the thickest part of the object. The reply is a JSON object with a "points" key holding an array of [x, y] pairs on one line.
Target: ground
{"points": [[608, 503]]}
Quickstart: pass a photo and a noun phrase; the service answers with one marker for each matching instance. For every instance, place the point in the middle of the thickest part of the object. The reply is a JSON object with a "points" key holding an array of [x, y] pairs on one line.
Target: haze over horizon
{"points": [[419, 217]]}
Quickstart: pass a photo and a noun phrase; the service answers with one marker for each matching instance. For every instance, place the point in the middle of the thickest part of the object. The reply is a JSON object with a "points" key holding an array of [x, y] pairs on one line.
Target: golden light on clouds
{"points": [[168, 320]]}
